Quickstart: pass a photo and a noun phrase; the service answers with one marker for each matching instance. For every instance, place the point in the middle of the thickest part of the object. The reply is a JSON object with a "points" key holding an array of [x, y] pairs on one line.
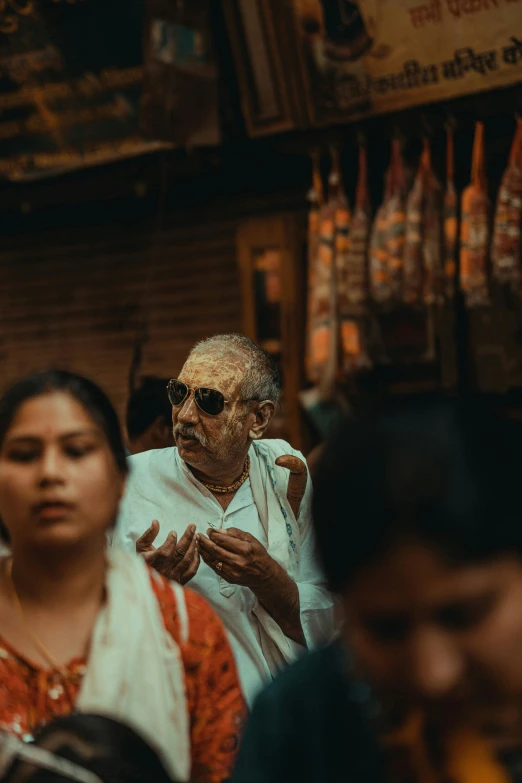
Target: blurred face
{"points": [[204, 440], [445, 638], [59, 483]]}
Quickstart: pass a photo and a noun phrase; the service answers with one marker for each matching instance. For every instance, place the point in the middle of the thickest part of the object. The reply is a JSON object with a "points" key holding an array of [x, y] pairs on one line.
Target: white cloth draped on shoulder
{"points": [[269, 486], [135, 673]]}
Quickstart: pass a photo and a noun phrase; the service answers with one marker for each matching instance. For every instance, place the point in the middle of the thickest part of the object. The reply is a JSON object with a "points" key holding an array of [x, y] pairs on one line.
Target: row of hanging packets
{"points": [[414, 240], [406, 256], [413, 256], [413, 248], [338, 285], [475, 244]]}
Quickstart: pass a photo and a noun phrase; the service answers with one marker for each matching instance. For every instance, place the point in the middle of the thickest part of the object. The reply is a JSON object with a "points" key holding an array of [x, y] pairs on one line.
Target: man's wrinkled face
{"points": [[202, 439]]}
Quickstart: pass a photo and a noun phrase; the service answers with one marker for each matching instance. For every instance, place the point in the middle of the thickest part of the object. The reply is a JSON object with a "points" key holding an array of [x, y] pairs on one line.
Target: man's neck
{"points": [[221, 475], [61, 580]]}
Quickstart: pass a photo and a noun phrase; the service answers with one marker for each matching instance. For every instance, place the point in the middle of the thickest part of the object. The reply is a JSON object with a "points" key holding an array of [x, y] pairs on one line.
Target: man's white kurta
{"points": [[160, 486]]}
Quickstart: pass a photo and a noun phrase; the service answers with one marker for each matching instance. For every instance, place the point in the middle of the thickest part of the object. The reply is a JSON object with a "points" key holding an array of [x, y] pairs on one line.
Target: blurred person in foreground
{"points": [[81, 749], [148, 417], [418, 521], [238, 508], [87, 630]]}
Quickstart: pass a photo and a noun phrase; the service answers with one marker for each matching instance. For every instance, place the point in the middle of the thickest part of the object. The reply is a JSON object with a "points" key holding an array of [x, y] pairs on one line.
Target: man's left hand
{"points": [[236, 556], [242, 560]]}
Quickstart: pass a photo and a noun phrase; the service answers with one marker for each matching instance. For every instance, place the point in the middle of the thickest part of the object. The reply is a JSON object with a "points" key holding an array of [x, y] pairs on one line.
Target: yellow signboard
{"points": [[374, 56]]}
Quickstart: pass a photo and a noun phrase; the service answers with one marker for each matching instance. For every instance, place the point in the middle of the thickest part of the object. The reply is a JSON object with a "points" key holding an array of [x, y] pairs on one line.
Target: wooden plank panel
{"points": [[76, 298]]}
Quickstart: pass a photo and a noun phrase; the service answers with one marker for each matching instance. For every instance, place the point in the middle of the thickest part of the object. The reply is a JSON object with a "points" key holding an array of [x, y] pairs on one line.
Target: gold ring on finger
{"points": [[219, 566]]}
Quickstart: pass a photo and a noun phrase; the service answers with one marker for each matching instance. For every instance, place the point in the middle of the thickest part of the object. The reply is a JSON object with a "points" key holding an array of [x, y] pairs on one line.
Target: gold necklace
{"points": [[233, 487], [39, 645]]}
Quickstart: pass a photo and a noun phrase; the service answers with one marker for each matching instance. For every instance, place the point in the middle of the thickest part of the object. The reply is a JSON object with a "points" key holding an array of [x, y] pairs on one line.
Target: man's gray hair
{"points": [[261, 378]]}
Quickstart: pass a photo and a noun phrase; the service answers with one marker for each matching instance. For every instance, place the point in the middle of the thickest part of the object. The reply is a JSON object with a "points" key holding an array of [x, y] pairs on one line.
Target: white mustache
{"points": [[190, 432]]}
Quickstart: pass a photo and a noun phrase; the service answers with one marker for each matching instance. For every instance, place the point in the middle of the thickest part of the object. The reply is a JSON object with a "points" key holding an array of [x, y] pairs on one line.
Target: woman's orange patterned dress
{"points": [[31, 696]]}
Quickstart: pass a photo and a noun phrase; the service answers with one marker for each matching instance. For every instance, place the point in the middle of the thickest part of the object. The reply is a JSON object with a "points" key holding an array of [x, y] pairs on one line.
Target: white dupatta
{"points": [[134, 672], [269, 484]]}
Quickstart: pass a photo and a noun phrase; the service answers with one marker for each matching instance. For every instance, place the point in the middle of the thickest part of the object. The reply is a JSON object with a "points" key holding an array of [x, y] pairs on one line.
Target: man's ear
{"points": [[263, 413]]}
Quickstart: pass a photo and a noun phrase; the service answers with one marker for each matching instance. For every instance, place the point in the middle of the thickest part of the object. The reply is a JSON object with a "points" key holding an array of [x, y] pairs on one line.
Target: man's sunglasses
{"points": [[210, 401]]}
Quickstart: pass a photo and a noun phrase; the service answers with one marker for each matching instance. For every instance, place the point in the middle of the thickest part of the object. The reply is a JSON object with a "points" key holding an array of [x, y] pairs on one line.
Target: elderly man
{"points": [[237, 508]]}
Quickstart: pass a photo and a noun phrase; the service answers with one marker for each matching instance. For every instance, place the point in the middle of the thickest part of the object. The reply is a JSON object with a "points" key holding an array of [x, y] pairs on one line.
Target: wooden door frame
{"points": [[286, 232]]}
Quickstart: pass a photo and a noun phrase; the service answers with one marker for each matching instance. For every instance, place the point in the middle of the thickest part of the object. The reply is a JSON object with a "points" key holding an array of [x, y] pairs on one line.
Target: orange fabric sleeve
{"points": [[215, 701]]}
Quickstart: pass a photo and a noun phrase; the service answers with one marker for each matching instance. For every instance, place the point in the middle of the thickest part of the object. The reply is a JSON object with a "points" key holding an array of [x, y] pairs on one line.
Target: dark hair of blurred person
{"points": [[84, 628], [417, 512], [85, 391], [93, 743], [90, 397], [149, 417]]}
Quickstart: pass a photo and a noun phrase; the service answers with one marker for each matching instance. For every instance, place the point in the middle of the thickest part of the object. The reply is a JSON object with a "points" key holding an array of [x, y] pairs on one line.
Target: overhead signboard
{"points": [[71, 76], [374, 56]]}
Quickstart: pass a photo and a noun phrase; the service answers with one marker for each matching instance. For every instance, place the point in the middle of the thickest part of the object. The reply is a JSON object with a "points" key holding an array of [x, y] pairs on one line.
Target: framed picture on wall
{"points": [[267, 56]]}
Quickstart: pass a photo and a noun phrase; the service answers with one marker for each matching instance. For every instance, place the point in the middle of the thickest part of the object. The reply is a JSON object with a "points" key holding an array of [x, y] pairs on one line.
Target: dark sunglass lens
{"points": [[210, 401], [177, 392]]}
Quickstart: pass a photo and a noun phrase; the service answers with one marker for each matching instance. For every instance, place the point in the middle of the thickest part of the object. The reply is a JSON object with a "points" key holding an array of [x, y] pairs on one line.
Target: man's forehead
{"points": [[217, 371]]}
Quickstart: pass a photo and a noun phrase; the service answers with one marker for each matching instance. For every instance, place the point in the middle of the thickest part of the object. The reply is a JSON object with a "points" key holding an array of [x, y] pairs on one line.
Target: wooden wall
{"points": [[77, 298]]}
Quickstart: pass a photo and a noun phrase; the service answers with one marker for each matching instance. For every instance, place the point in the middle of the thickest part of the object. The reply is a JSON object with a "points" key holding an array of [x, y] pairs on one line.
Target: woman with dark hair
{"points": [[84, 629], [417, 512], [81, 749]]}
